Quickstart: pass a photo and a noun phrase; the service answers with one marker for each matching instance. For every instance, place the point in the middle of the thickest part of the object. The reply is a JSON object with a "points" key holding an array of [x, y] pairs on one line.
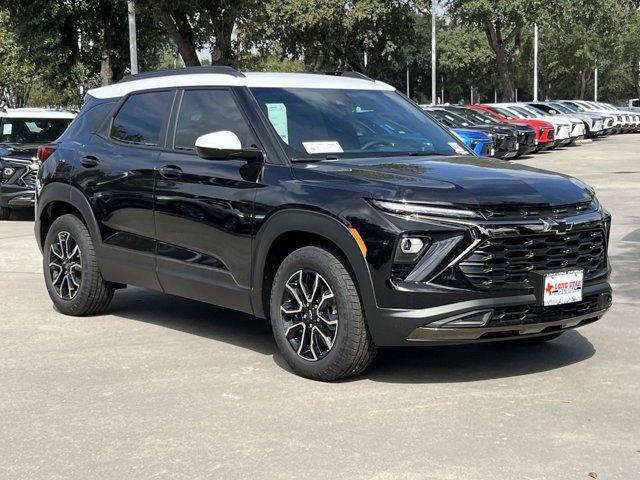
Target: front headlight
{"points": [[421, 209]]}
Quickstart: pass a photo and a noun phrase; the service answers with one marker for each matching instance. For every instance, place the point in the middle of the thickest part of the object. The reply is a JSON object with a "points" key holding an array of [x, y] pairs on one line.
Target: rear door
{"points": [[204, 208], [117, 171]]}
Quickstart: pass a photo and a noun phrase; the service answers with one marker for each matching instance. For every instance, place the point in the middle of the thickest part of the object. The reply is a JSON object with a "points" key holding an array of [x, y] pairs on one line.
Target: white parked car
{"points": [[563, 128]]}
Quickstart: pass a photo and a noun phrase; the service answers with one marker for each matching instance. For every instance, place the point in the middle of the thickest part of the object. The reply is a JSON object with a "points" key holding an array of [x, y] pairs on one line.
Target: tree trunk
{"points": [[504, 59], [583, 84], [222, 51], [635, 75], [179, 30], [106, 69]]}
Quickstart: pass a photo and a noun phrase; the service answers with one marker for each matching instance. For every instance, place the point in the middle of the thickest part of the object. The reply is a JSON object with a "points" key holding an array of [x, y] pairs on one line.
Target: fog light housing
{"points": [[411, 245], [410, 248]]}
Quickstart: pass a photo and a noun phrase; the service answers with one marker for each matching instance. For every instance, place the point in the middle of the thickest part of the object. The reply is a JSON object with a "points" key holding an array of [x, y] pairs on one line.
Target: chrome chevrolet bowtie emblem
{"points": [[557, 226]]}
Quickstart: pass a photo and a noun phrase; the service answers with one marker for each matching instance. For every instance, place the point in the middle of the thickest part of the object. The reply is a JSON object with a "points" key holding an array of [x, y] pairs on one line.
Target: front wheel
{"points": [[317, 317], [71, 272]]}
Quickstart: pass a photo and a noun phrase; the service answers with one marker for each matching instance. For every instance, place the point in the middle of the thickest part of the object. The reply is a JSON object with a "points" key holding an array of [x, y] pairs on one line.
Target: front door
{"points": [[204, 208]]}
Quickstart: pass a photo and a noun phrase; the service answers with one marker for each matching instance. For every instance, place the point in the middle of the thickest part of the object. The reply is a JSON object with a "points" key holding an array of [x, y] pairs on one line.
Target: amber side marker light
{"points": [[359, 241]]}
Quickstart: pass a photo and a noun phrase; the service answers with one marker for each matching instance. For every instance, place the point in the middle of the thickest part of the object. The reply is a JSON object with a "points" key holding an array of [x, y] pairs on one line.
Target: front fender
{"points": [[317, 223]]}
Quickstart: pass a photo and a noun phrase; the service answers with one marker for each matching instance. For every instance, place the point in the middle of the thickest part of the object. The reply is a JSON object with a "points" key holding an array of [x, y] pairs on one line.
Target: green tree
{"points": [[503, 22], [17, 73]]}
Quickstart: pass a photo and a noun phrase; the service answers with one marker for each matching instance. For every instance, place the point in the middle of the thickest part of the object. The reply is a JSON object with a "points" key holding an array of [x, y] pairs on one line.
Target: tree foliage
{"points": [[54, 50]]}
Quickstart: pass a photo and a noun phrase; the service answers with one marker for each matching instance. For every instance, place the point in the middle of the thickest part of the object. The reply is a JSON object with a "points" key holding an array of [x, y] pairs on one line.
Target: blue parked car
{"points": [[481, 143]]}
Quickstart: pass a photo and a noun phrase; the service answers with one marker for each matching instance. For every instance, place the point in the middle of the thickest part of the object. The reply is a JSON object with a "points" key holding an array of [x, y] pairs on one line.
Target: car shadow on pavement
{"points": [[444, 364], [195, 318], [473, 362]]}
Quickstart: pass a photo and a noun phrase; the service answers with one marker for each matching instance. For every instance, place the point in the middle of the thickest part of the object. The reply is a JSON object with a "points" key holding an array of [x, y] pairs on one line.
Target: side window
{"points": [[141, 117], [207, 111]]}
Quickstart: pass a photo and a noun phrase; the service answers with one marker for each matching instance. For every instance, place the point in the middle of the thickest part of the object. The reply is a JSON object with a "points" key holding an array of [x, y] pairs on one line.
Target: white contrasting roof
{"points": [[36, 113], [250, 79]]}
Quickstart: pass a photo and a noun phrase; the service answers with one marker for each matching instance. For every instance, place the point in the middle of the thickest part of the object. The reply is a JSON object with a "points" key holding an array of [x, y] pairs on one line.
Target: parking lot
{"points": [[169, 388]]}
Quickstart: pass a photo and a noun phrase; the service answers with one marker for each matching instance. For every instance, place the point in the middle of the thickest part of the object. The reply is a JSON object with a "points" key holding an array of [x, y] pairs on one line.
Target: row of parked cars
{"points": [[510, 130]]}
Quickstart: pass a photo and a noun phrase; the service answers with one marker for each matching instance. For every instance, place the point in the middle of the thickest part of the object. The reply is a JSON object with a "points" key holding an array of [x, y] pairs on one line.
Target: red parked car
{"points": [[545, 132]]}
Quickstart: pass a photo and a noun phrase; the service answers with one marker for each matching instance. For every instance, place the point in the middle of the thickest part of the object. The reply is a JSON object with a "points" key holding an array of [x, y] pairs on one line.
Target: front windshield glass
{"points": [[537, 110], [321, 123], [561, 108], [579, 108], [32, 130], [476, 116], [448, 119], [504, 112], [526, 113]]}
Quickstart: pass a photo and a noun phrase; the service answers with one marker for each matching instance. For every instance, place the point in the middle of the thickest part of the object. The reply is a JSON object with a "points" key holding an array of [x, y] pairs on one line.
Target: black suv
{"points": [[330, 204], [22, 132]]}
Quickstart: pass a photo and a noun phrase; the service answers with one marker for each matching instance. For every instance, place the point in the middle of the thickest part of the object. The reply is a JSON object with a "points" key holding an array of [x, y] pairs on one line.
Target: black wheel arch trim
{"points": [[316, 223], [64, 192]]}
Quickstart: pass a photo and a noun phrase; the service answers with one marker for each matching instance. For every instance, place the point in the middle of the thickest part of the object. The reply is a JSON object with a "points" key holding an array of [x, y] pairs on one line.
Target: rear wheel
{"points": [[5, 213], [317, 317], [71, 271]]}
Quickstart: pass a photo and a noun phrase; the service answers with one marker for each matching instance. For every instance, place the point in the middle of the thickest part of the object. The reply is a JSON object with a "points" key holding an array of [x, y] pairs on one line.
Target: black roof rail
{"points": [[348, 73], [166, 72]]}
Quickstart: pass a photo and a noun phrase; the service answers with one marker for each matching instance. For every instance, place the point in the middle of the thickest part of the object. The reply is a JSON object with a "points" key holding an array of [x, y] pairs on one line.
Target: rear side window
{"points": [[141, 117], [208, 111]]}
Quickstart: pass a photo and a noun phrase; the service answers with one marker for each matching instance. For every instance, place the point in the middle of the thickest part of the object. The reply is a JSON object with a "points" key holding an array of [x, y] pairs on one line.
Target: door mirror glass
{"points": [[224, 145]]}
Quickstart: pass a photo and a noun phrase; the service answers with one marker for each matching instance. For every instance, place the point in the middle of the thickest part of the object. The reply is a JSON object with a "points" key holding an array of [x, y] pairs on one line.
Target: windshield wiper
{"points": [[426, 154]]}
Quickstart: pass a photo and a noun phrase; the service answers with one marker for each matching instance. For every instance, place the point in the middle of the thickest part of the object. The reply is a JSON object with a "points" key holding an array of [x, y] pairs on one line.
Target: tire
{"points": [[347, 347], [75, 286], [5, 213], [528, 342]]}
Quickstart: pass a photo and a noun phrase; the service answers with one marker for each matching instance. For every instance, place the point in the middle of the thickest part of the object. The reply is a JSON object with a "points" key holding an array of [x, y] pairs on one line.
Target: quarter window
{"points": [[141, 118], [208, 111]]}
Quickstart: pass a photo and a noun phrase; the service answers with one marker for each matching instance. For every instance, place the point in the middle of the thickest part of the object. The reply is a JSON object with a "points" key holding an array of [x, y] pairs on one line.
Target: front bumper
{"points": [[478, 280], [15, 196]]}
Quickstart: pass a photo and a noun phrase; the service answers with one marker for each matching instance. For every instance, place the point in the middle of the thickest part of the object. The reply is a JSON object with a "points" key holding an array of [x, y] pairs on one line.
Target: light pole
{"points": [[433, 51], [133, 46], [535, 62], [595, 84]]}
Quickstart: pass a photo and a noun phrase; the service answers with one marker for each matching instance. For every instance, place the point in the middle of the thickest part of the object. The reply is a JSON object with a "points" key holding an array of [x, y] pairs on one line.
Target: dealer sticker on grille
{"points": [[563, 287]]}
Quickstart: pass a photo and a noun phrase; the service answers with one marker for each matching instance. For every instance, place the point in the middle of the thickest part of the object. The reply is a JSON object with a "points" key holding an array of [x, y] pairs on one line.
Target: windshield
{"points": [[32, 130], [578, 108], [523, 111], [321, 123], [504, 112], [561, 108], [476, 116], [536, 109], [449, 119]]}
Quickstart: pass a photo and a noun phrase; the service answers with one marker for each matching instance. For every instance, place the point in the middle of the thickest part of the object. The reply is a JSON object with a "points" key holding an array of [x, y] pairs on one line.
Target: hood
{"points": [[475, 134], [466, 181], [501, 130], [21, 151]]}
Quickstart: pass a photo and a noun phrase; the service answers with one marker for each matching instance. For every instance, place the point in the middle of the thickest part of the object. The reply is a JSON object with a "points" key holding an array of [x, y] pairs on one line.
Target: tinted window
{"points": [[89, 118], [140, 118], [208, 111], [32, 130], [314, 123]]}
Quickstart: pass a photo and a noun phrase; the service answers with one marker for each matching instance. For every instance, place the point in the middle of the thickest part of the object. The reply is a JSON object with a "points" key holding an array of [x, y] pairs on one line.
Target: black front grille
{"points": [[507, 262], [524, 212], [526, 314], [29, 179]]}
